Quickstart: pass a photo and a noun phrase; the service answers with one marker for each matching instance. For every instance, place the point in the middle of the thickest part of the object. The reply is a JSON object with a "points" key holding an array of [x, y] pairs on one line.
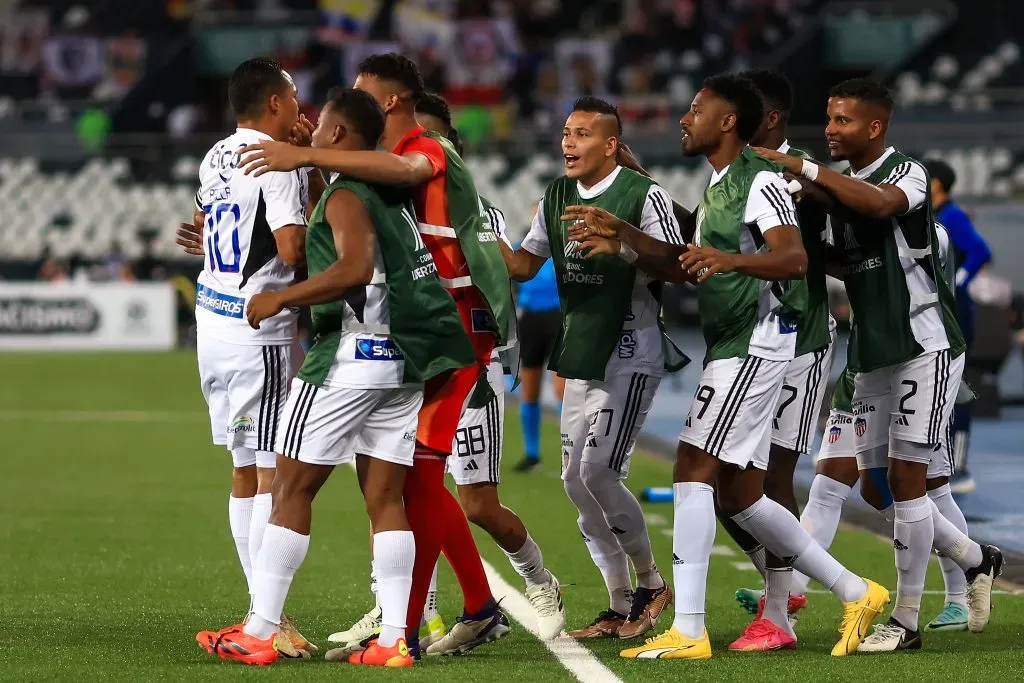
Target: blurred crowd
{"points": [[505, 64]]}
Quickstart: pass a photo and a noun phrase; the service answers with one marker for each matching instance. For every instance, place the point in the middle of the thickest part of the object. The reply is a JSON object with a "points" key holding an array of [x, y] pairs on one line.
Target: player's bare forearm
{"points": [[658, 259], [328, 285], [374, 167], [522, 265], [876, 201], [787, 263]]}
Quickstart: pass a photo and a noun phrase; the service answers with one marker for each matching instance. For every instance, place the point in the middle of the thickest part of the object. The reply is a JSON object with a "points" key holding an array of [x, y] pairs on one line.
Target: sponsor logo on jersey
{"points": [[787, 325], [471, 467], [424, 270], [377, 349], [221, 304], [834, 433], [839, 419], [409, 436], [566, 441], [483, 321], [902, 421], [244, 424], [583, 278], [863, 266], [627, 343], [486, 235], [860, 426]]}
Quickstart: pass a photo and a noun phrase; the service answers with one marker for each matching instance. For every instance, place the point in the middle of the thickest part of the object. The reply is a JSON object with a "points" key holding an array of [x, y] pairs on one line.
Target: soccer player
{"points": [[383, 324], [804, 385], [610, 352], [255, 232], [972, 253], [748, 262], [905, 346], [449, 219], [837, 472], [477, 469]]}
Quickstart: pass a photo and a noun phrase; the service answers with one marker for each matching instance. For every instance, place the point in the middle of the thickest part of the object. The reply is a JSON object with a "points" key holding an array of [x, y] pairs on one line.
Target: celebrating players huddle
{"points": [[406, 271]]}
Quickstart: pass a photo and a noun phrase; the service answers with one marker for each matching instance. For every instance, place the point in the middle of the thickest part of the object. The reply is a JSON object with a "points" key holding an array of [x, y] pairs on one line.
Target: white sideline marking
{"points": [[668, 532], [102, 415], [578, 660], [654, 519], [723, 550]]}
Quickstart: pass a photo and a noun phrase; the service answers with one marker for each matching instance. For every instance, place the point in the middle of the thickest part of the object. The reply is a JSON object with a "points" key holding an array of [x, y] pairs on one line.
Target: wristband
{"points": [[627, 254], [809, 170], [794, 186]]}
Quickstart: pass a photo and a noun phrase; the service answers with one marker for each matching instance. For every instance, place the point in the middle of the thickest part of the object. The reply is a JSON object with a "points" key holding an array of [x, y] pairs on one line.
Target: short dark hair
{"points": [[864, 89], [599, 106], [252, 83], [942, 172], [395, 67], [743, 95], [360, 110], [775, 88], [433, 104]]}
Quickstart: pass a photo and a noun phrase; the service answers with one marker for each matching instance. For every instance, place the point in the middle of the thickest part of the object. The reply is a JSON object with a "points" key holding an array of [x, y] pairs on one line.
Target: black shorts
{"points": [[538, 332]]}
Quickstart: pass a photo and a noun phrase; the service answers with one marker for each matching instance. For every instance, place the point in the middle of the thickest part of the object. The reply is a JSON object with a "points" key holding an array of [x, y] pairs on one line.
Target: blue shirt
{"points": [[972, 252], [541, 293]]}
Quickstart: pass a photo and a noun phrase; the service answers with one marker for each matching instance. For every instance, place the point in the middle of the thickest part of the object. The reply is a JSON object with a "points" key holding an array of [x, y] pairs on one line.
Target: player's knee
{"points": [[874, 488], [382, 498], [598, 478]]}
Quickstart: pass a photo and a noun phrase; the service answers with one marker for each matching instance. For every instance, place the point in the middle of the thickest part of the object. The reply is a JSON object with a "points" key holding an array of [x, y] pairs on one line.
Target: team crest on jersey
{"points": [[377, 349], [860, 426], [834, 434], [244, 424]]}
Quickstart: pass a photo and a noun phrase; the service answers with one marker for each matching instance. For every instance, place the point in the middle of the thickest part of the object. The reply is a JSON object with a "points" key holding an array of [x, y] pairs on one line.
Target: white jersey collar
{"points": [[874, 165], [252, 131], [784, 147], [598, 188]]}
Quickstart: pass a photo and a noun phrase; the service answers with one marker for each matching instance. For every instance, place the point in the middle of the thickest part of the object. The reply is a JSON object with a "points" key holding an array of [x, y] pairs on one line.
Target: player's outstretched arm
{"points": [[522, 265], [354, 241], [656, 258], [785, 258], [876, 201], [371, 167]]}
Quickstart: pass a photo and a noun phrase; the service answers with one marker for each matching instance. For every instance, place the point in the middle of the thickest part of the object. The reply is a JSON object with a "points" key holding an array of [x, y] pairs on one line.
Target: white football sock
{"points": [[913, 533], [430, 606], [693, 534], [604, 548], [821, 518], [759, 559], [782, 535], [240, 519], [952, 542], [529, 562], [952, 575], [280, 557], [393, 553], [776, 597], [624, 516], [262, 504]]}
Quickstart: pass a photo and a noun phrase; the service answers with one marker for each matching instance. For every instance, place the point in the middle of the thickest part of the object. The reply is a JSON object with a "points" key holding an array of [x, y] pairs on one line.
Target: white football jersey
{"points": [[242, 212]]}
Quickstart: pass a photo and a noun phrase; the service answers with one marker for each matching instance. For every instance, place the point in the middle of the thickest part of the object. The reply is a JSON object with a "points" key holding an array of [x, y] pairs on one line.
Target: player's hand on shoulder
{"points": [[262, 306], [790, 163], [592, 220], [270, 155], [190, 235], [706, 261], [624, 157]]}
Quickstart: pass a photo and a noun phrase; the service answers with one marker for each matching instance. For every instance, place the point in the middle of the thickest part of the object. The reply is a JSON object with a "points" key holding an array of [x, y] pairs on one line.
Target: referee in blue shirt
{"points": [[540, 322], [972, 253]]}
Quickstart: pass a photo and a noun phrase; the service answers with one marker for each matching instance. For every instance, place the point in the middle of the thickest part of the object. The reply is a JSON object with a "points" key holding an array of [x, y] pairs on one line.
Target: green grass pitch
{"points": [[114, 551]]}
